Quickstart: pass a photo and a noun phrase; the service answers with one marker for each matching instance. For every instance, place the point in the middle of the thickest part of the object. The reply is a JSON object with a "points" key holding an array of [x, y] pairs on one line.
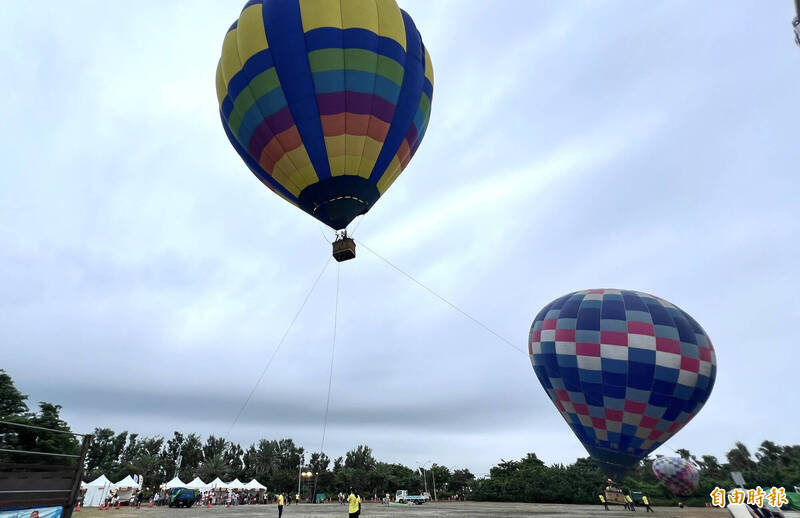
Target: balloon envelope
{"points": [[679, 475], [625, 369], [325, 101]]}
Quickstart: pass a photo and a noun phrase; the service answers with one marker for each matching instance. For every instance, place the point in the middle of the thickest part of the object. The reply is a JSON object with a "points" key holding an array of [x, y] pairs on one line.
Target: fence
{"points": [[30, 484]]}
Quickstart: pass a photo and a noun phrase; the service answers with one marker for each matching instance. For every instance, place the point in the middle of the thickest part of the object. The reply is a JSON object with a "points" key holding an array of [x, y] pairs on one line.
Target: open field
{"points": [[369, 510]]}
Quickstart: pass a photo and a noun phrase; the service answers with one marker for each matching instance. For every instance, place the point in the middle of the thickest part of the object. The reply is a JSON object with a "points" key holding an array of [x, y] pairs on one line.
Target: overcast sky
{"points": [[147, 276]]}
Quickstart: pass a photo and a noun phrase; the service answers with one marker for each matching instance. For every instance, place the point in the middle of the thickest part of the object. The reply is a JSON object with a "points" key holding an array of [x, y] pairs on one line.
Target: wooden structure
{"points": [[43, 485], [615, 496]]}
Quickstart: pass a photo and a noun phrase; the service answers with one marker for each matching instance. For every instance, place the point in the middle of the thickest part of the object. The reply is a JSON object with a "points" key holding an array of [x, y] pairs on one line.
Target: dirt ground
{"points": [[370, 510]]}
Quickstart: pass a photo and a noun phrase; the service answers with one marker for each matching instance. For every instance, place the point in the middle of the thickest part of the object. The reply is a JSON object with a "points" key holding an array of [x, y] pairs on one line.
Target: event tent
{"points": [[127, 488], [198, 484], [175, 482], [235, 484], [217, 483], [127, 483], [254, 484], [96, 491]]}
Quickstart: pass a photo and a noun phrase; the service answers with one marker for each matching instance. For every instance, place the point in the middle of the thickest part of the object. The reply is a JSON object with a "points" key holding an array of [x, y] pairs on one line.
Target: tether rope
{"points": [[333, 352], [431, 291], [275, 352]]}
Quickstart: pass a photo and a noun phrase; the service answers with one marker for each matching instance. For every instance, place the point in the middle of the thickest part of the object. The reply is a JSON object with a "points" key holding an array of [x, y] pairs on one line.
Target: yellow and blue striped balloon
{"points": [[326, 101]]}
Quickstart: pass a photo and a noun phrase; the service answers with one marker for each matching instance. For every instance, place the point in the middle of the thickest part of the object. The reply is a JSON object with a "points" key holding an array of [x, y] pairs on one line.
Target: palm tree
{"points": [[739, 458], [769, 452], [214, 466], [267, 459]]}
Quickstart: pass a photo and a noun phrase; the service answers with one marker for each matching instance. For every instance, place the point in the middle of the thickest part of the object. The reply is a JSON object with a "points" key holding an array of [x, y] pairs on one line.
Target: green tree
{"points": [[169, 455], [461, 481], [233, 459], [739, 458], [46, 441], [769, 453], [12, 409], [441, 476], [212, 467], [214, 446], [358, 467], [192, 457], [12, 401], [104, 453]]}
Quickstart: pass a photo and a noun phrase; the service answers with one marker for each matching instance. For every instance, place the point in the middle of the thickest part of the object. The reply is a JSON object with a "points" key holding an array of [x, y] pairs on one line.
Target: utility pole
{"points": [[433, 474], [300, 472]]}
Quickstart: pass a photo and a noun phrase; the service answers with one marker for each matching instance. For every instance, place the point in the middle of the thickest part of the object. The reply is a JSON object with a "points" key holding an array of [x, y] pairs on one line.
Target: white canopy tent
{"points": [[96, 491], [236, 484], [127, 487], [218, 484], [255, 484], [175, 482], [128, 483], [198, 484]]}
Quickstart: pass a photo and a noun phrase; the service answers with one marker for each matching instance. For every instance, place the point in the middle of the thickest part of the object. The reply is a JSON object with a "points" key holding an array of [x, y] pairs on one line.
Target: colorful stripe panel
{"points": [[625, 369], [313, 90]]}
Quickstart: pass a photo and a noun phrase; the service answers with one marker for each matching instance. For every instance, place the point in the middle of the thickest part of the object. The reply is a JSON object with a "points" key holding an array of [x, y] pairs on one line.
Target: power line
{"points": [[430, 290], [22, 425], [275, 352], [41, 453]]}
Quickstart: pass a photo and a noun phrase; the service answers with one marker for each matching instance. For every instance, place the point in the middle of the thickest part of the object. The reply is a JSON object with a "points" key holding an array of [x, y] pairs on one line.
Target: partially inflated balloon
{"points": [[326, 101], [679, 475], [625, 369]]}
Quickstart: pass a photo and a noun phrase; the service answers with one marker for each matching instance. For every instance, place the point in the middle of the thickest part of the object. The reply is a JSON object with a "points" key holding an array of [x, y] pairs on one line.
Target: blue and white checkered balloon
{"points": [[625, 369]]}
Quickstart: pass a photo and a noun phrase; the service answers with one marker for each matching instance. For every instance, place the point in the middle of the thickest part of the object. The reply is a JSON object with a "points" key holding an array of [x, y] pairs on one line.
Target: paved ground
{"points": [[369, 510]]}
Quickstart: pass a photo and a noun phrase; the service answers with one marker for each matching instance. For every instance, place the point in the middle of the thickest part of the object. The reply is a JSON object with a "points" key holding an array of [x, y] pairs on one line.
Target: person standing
{"points": [[358, 500], [352, 505], [603, 501], [629, 500], [647, 505], [296, 498], [280, 505]]}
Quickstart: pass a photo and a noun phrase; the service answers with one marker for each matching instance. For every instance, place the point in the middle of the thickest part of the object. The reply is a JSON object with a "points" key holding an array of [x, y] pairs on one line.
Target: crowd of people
{"points": [[113, 498], [231, 497]]}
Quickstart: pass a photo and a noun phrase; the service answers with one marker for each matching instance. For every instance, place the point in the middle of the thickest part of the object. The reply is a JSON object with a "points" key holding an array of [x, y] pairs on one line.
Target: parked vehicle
{"points": [[182, 497], [402, 497]]}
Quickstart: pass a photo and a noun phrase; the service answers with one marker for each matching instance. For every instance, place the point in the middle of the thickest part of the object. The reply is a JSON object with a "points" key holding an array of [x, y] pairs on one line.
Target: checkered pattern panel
{"points": [[625, 369], [680, 476]]}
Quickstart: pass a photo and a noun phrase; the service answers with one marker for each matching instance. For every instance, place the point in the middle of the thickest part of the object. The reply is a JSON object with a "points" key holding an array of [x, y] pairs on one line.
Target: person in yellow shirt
{"points": [[296, 498], [646, 503], [603, 501], [630, 502], [280, 505], [352, 505]]}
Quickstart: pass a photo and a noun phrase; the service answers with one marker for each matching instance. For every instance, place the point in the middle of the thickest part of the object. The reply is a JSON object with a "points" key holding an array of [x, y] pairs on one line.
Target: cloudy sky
{"points": [[147, 276]]}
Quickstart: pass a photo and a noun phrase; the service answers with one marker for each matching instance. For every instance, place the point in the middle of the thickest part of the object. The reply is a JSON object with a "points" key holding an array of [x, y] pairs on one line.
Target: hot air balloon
{"points": [[325, 101], [680, 476], [625, 369]]}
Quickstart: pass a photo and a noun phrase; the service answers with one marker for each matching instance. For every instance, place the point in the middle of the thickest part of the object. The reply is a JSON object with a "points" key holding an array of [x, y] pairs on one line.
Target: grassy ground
{"points": [[444, 509]]}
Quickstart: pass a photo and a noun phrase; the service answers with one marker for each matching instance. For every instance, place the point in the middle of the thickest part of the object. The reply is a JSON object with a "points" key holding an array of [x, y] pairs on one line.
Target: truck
{"points": [[182, 497], [402, 497]]}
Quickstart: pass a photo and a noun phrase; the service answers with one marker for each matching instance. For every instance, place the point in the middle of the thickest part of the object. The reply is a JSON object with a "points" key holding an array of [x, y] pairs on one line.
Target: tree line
{"points": [[531, 480], [276, 464]]}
